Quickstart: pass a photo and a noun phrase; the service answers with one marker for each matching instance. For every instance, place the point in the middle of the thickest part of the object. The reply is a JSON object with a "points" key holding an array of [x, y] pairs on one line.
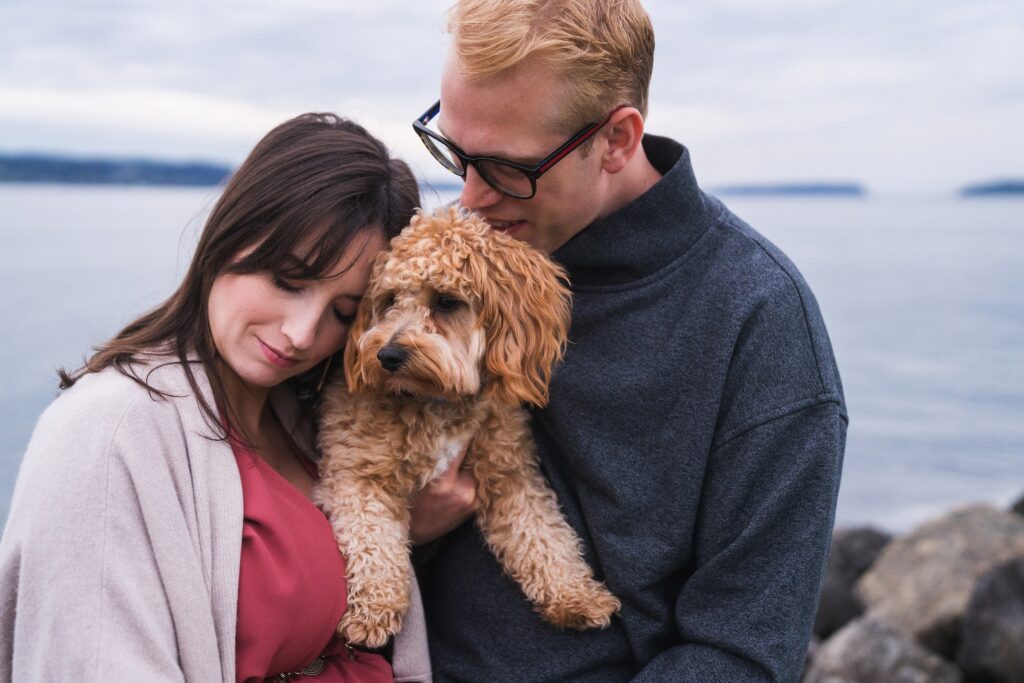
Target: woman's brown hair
{"points": [[306, 190]]}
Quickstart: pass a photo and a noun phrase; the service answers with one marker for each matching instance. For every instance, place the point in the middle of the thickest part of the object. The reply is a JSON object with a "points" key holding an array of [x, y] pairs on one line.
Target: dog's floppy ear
{"points": [[354, 363], [525, 313]]}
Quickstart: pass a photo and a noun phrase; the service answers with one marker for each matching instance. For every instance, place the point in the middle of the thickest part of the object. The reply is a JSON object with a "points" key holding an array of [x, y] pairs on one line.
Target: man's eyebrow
{"points": [[497, 155], [532, 161]]}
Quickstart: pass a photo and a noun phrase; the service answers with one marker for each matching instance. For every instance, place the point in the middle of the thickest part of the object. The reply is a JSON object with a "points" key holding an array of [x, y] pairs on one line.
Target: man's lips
{"points": [[276, 357], [507, 227]]}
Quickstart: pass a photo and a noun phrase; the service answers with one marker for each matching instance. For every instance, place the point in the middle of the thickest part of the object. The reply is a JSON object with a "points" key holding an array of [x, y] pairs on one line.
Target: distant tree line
{"points": [[32, 168], [42, 168], [997, 187], [811, 188]]}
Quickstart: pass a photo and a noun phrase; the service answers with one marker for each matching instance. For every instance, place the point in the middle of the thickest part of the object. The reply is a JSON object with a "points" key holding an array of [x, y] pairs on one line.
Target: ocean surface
{"points": [[923, 297]]}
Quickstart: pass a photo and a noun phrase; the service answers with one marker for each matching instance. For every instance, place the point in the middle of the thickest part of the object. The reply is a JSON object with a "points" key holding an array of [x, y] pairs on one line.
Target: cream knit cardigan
{"points": [[121, 553]]}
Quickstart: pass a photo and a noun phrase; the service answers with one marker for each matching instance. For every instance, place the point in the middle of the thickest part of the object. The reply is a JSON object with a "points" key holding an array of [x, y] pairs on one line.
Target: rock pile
{"points": [[942, 604]]}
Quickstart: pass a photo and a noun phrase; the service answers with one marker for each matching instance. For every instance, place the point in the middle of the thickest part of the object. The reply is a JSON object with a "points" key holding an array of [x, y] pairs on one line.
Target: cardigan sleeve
{"points": [[98, 564]]}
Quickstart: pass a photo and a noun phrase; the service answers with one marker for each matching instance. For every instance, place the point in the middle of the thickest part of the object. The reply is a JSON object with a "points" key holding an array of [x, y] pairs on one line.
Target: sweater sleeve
{"points": [[760, 548], [92, 590]]}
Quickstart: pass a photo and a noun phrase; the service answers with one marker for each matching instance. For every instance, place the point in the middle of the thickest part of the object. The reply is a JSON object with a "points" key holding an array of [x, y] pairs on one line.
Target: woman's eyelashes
{"points": [[345, 318], [285, 286]]}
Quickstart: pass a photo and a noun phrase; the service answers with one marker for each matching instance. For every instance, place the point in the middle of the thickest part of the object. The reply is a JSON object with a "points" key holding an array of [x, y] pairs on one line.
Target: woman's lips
{"points": [[275, 357]]}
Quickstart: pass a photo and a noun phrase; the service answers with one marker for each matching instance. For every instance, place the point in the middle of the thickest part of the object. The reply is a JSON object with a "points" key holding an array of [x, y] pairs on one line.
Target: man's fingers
{"points": [[460, 460], [465, 490], [443, 505], [456, 468]]}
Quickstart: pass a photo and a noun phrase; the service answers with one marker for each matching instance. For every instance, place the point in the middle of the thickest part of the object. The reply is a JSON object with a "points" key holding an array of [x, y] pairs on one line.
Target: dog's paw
{"points": [[371, 630], [588, 606]]}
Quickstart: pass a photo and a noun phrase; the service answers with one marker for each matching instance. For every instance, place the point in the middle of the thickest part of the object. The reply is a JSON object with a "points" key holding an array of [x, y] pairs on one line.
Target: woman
{"points": [[161, 527]]}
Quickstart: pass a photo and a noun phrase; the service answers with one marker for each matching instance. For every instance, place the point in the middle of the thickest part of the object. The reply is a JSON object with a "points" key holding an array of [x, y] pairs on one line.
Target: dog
{"points": [[460, 326]]}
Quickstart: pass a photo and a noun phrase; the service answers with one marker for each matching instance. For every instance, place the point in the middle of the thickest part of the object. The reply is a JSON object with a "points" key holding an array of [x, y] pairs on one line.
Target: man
{"points": [[696, 428]]}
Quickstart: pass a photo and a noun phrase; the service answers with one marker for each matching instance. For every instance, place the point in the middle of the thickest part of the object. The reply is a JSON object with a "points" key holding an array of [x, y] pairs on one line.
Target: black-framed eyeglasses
{"points": [[508, 177]]}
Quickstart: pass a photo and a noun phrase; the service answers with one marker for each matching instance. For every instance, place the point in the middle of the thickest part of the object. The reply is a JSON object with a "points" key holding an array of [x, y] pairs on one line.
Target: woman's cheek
{"points": [[337, 341]]}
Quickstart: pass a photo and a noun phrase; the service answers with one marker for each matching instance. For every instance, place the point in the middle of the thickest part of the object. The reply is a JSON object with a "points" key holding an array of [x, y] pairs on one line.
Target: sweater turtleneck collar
{"points": [[647, 233]]}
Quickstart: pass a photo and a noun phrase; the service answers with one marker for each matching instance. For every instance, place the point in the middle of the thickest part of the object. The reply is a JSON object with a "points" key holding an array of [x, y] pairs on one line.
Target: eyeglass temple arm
{"points": [[430, 113], [582, 137]]}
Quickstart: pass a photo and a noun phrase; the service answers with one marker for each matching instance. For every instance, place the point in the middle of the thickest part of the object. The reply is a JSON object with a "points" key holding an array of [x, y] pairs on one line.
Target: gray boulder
{"points": [[812, 650], [1018, 507], [921, 583], [852, 552], [992, 640], [868, 650]]}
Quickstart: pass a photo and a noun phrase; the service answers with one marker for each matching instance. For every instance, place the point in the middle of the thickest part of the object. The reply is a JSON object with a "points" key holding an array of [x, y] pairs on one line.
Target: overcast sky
{"points": [[903, 95]]}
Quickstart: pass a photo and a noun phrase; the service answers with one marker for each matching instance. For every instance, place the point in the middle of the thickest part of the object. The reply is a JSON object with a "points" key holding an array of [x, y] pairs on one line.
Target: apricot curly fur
{"points": [[481, 320]]}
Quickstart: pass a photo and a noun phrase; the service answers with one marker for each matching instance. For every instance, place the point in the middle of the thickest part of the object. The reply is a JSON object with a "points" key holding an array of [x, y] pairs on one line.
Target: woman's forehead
{"points": [[322, 255]]}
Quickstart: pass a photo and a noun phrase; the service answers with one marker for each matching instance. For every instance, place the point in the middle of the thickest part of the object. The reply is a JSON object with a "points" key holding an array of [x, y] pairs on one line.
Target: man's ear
{"points": [[623, 133]]}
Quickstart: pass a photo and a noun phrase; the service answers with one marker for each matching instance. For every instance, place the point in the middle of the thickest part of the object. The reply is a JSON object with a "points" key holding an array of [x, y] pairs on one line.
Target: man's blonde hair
{"points": [[603, 49]]}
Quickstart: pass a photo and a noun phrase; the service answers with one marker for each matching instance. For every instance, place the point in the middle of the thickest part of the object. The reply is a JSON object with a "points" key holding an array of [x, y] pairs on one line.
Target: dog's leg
{"points": [[520, 520], [371, 528]]}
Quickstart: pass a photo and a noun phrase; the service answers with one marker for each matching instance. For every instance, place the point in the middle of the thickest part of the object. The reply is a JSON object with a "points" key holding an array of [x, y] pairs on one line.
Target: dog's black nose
{"points": [[392, 357]]}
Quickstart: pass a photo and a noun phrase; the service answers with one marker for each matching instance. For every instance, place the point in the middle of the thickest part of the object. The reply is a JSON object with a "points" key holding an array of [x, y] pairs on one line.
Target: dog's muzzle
{"points": [[392, 357]]}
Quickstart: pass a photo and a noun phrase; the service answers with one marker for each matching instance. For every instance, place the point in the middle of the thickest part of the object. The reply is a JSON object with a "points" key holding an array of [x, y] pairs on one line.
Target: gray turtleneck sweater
{"points": [[694, 437]]}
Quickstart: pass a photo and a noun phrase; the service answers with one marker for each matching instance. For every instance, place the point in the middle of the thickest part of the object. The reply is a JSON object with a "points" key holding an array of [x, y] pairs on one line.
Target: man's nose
{"points": [[476, 193]]}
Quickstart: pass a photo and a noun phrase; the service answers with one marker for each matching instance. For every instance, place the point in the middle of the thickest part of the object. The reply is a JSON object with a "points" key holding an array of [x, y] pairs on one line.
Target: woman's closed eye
{"points": [[285, 286], [345, 318]]}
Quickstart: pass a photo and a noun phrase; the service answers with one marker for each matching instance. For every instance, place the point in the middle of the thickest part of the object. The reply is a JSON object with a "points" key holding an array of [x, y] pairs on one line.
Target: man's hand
{"points": [[444, 503]]}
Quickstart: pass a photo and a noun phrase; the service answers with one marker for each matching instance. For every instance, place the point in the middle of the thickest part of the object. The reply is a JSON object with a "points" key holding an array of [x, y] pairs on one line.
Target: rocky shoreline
{"points": [[941, 604]]}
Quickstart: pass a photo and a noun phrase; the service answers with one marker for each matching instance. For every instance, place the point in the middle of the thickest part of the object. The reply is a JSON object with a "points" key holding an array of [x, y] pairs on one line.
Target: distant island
{"points": [[40, 168], [791, 189], [994, 188], [47, 168], [54, 168], [442, 185]]}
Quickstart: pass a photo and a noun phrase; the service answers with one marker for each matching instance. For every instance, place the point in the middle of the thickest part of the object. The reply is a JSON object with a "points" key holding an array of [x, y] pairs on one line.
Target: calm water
{"points": [[921, 296]]}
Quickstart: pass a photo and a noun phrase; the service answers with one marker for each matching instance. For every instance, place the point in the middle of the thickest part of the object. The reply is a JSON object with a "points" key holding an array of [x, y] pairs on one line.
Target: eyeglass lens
{"points": [[507, 179], [444, 154]]}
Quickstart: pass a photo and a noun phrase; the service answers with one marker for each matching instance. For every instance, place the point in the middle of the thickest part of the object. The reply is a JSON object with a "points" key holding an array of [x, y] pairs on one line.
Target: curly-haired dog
{"points": [[460, 325]]}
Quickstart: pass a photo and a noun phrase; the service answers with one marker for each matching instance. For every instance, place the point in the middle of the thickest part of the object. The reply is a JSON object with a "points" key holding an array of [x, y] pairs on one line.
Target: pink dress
{"points": [[291, 587]]}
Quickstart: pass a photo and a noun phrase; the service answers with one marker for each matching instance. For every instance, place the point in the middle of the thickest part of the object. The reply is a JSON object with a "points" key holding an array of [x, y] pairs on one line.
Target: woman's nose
{"points": [[301, 325]]}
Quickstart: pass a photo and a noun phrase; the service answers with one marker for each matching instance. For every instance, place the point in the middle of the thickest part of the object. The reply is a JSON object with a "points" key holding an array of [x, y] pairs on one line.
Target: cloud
{"points": [[906, 95]]}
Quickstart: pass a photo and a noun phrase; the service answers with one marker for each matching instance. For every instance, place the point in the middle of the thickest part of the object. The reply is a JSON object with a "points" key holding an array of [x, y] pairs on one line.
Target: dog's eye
{"points": [[446, 303], [384, 303]]}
